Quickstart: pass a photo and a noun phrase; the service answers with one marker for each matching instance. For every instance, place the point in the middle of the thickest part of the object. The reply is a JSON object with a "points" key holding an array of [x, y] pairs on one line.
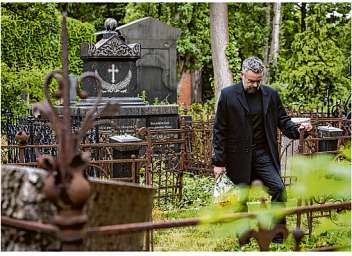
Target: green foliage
{"points": [[30, 35], [316, 59], [311, 61], [94, 13], [345, 152], [19, 86], [199, 111], [197, 191], [290, 26], [208, 237], [156, 101], [232, 54], [312, 175], [144, 97], [31, 48], [247, 27], [321, 172], [78, 33], [334, 223]]}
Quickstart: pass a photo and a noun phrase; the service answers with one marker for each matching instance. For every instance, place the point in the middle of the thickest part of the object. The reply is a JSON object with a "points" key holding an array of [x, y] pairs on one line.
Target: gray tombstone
{"points": [[157, 65], [114, 61]]}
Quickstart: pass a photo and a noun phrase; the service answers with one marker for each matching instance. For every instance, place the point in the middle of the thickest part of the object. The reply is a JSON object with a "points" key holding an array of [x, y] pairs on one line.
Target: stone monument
{"points": [[116, 62], [157, 65]]}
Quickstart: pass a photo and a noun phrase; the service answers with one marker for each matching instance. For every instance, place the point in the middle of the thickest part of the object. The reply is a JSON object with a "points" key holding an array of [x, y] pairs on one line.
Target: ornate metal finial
{"points": [[66, 186]]}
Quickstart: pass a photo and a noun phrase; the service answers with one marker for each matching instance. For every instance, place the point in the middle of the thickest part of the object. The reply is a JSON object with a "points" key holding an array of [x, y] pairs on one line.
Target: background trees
{"points": [[30, 48], [314, 64], [313, 59]]}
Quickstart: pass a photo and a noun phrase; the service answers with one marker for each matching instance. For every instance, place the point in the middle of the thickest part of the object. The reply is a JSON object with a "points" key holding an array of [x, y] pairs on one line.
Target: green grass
{"points": [[209, 237], [213, 238]]}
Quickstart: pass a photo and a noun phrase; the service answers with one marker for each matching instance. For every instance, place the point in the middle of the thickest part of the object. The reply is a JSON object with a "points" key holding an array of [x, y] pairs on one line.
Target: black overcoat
{"points": [[233, 138]]}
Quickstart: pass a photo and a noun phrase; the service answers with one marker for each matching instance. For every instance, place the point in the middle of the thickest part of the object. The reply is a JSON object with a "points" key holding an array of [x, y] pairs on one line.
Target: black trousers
{"points": [[264, 170]]}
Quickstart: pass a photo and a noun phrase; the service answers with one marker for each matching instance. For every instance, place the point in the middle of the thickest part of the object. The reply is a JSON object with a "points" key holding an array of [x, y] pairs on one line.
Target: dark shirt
{"points": [[256, 117]]}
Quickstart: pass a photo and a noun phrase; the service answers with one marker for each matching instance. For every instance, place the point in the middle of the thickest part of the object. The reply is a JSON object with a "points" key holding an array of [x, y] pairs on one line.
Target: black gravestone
{"points": [[157, 65], [114, 61]]}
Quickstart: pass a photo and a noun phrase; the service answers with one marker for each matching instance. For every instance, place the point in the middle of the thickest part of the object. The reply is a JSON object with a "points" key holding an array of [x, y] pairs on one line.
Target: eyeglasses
{"points": [[251, 82]]}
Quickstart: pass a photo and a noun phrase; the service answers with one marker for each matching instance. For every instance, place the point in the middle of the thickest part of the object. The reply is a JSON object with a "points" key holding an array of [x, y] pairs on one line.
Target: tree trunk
{"points": [[275, 42], [196, 77], [303, 17], [267, 43], [185, 90], [219, 33]]}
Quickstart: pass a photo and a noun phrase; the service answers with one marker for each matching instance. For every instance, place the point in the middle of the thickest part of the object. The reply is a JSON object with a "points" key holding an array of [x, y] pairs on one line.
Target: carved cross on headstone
{"points": [[112, 70], [114, 61]]}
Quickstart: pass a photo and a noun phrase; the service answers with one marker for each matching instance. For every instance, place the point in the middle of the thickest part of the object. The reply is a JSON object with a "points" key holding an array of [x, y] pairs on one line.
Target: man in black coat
{"points": [[245, 131]]}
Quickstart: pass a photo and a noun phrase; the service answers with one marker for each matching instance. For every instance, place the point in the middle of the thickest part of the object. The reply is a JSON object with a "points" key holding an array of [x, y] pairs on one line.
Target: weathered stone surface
{"points": [[21, 198], [111, 203], [117, 203]]}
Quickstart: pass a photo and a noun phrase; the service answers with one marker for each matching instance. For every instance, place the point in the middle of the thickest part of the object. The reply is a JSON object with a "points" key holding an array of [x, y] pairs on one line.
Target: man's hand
{"points": [[305, 127], [218, 171]]}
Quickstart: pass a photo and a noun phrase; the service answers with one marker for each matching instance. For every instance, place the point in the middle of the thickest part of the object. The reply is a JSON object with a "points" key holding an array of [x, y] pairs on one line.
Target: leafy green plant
{"points": [[199, 111], [31, 49], [316, 60], [321, 176], [156, 101], [197, 191], [317, 177], [143, 96]]}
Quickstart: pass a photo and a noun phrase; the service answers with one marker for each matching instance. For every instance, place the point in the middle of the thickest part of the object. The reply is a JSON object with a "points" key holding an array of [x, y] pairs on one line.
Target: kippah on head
{"points": [[253, 64]]}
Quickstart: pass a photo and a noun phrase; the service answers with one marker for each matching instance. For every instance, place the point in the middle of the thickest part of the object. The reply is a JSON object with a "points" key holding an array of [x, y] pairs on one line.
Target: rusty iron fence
{"points": [[198, 146], [263, 236], [163, 156], [159, 160]]}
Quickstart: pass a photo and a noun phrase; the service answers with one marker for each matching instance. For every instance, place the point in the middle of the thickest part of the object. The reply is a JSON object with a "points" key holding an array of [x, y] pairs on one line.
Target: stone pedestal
{"points": [[326, 132], [124, 170], [133, 114]]}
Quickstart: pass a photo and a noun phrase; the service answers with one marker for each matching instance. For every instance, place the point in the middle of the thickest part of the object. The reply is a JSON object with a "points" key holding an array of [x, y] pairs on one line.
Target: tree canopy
{"points": [[314, 58], [31, 49], [317, 62]]}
